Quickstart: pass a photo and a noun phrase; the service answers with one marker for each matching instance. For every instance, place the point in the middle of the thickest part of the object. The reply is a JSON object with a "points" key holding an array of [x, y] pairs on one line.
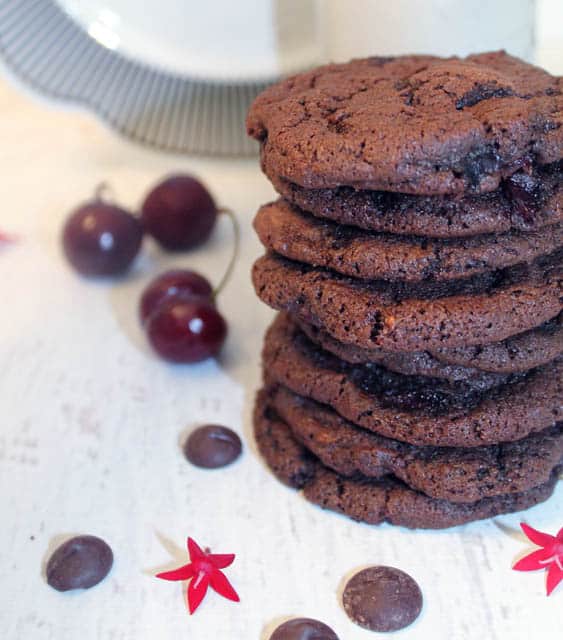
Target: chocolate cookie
{"points": [[383, 315], [453, 474], [526, 201], [406, 409], [413, 124], [368, 256], [373, 501], [518, 353], [481, 366]]}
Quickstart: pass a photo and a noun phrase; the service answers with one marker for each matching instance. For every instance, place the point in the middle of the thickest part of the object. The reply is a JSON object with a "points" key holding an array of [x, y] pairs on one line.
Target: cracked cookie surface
{"points": [[412, 124]]}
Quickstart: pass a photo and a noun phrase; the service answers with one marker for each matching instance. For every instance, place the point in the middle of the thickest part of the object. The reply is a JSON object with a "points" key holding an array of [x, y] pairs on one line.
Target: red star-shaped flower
{"points": [[6, 238], [203, 571], [549, 557]]}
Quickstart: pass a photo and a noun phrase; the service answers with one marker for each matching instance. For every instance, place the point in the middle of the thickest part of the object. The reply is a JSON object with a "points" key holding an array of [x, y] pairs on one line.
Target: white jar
{"points": [[356, 28]]}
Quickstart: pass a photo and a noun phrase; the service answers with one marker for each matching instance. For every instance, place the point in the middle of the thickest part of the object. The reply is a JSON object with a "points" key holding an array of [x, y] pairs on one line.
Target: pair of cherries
{"points": [[182, 323], [177, 309]]}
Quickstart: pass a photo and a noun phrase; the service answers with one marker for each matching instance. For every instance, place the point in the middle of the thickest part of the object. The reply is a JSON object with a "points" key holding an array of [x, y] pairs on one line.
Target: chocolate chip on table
{"points": [[79, 563], [212, 446], [382, 599], [303, 629]]}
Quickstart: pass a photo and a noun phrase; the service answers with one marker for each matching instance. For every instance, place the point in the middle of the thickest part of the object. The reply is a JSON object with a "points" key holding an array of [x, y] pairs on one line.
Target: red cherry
{"points": [[179, 213], [186, 331], [177, 282], [100, 239]]}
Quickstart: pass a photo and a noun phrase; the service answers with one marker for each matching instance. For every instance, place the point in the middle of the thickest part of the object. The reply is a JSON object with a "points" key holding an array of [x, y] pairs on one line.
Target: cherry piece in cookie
{"points": [[79, 563], [179, 213], [382, 599], [101, 239], [186, 331], [176, 282], [303, 629], [212, 447]]}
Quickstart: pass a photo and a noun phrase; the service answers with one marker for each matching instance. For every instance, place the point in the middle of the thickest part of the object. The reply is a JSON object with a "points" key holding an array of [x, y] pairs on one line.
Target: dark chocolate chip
{"points": [[414, 393], [303, 629], [479, 164], [481, 92], [382, 599], [79, 563], [212, 447]]}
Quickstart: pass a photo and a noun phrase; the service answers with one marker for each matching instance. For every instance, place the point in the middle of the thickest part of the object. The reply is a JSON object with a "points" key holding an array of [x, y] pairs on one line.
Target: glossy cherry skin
{"points": [[174, 283], [179, 213], [100, 239], [186, 331]]}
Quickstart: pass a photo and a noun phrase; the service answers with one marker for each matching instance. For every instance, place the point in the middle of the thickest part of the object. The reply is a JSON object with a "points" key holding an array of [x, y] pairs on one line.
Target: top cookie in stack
{"points": [[416, 255], [420, 125]]}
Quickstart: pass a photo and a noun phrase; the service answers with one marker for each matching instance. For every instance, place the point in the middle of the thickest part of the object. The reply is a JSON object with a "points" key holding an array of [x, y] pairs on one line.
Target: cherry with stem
{"points": [[178, 309]]}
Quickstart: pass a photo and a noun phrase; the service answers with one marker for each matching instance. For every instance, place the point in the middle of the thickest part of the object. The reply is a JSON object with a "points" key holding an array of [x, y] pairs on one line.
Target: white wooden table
{"points": [[91, 424]]}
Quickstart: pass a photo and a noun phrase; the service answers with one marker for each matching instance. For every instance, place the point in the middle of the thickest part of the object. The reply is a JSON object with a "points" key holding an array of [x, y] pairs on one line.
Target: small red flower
{"points": [[549, 557], [203, 571], [5, 238]]}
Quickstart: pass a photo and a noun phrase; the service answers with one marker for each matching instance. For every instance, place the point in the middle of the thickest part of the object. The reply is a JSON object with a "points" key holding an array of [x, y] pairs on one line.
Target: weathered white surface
{"points": [[91, 424]]}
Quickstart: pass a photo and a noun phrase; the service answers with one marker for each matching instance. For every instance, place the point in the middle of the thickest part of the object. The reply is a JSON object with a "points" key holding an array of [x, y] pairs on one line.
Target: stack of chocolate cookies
{"points": [[414, 372]]}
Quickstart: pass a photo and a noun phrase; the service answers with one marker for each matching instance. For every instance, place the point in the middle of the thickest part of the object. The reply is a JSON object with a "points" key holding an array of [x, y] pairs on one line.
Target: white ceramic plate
{"points": [[175, 74], [218, 40]]}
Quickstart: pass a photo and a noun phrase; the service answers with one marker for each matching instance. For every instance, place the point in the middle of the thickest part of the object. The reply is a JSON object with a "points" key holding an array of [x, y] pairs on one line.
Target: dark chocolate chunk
{"points": [[382, 599], [212, 446], [79, 563], [481, 92], [303, 629]]}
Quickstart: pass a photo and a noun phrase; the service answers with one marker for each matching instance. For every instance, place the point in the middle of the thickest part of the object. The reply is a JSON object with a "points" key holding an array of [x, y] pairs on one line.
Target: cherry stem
{"points": [[103, 189], [234, 255]]}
